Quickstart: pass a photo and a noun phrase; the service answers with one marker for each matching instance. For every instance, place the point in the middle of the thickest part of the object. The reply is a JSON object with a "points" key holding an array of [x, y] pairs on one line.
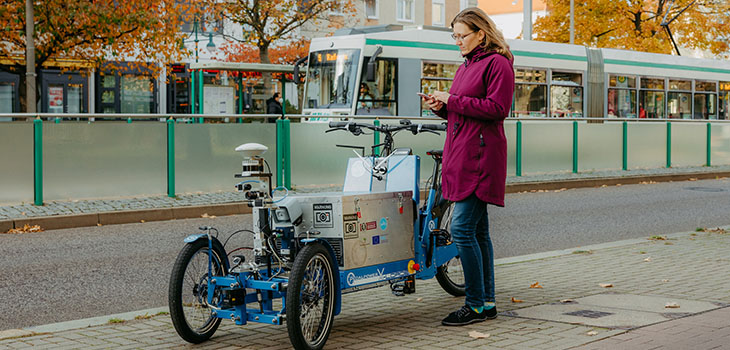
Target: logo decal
{"points": [[383, 224], [323, 215]]}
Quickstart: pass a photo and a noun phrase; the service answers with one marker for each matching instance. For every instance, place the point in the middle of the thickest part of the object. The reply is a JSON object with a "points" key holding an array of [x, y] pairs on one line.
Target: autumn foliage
{"points": [[637, 24], [284, 54]]}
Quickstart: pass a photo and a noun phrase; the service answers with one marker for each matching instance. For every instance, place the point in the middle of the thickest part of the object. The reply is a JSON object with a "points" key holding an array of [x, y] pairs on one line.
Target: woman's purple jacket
{"points": [[475, 151]]}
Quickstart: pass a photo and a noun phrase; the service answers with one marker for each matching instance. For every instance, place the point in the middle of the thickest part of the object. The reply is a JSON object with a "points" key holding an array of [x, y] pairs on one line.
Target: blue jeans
{"points": [[470, 232]]}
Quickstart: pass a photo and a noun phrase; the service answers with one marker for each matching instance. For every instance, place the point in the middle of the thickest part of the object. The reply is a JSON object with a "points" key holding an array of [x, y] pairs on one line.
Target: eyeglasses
{"points": [[461, 37]]}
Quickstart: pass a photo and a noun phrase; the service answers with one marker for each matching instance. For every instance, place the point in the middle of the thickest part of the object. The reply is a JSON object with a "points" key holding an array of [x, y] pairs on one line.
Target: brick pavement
{"points": [[690, 266]]}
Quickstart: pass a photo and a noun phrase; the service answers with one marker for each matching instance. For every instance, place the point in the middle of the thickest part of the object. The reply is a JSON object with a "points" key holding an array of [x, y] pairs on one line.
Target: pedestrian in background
{"points": [[273, 106], [475, 153]]}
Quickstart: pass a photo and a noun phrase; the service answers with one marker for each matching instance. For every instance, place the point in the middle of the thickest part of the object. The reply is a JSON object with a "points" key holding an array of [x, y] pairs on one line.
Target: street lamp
{"points": [[210, 46]]}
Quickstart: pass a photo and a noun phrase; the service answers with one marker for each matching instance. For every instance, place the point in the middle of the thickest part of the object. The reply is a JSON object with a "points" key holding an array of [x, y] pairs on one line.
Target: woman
{"points": [[475, 153]]}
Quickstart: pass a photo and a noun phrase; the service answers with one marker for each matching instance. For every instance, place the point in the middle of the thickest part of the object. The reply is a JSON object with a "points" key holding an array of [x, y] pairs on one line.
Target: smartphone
{"points": [[424, 95]]}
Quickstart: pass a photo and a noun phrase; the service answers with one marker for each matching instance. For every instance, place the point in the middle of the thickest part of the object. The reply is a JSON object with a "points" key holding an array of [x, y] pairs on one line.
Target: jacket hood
{"points": [[477, 54]]}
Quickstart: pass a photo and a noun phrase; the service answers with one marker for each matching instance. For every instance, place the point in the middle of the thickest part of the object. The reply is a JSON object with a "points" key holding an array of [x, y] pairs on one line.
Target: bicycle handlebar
{"points": [[414, 128]]}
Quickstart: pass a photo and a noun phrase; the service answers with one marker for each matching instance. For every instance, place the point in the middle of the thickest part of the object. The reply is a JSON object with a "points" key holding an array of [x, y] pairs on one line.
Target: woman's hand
{"points": [[434, 104], [441, 96]]}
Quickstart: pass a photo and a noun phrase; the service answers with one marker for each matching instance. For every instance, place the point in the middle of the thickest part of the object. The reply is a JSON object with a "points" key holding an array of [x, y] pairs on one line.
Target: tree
{"points": [[642, 25], [282, 54], [91, 33], [268, 21]]}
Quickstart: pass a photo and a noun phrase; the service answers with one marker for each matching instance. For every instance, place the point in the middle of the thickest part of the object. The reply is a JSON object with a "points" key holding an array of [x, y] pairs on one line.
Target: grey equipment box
{"points": [[382, 232]]}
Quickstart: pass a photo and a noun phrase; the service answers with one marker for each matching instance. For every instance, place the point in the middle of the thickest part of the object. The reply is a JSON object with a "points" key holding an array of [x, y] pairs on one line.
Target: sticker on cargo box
{"points": [[323, 215], [349, 229]]}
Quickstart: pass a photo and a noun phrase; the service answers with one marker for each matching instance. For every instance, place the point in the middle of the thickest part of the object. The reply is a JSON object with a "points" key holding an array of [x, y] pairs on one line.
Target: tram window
{"points": [[530, 100], [530, 75], [705, 86], [622, 81], [649, 83], [651, 104], [435, 77], [567, 78], [439, 70], [378, 97], [724, 102], [681, 85], [679, 104], [621, 103], [705, 106], [566, 101]]}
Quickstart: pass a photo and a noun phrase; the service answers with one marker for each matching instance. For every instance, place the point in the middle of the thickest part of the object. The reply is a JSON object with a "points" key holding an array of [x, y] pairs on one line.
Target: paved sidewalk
{"points": [[687, 271]]}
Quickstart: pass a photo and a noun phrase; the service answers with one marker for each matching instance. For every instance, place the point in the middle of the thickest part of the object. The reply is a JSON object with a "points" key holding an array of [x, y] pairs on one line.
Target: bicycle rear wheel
{"points": [[450, 275]]}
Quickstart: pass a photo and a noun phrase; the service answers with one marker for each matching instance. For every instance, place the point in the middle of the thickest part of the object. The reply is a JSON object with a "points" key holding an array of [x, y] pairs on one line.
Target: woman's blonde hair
{"points": [[476, 19]]}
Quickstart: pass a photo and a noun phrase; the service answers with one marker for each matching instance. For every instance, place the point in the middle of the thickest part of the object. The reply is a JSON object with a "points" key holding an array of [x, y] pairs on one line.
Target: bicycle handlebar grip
{"points": [[338, 124], [437, 127]]}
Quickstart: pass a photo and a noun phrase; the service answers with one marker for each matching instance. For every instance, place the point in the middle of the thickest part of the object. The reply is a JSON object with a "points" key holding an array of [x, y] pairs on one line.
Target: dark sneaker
{"points": [[467, 315], [491, 312]]}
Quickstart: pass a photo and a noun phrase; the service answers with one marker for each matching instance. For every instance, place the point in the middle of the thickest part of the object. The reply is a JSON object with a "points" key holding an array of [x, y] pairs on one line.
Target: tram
{"points": [[379, 70]]}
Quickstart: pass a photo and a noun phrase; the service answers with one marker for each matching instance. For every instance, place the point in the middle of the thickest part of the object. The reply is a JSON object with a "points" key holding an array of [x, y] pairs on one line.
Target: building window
{"points": [[679, 99], [9, 102], [705, 100], [651, 98], [621, 96], [371, 9], [438, 12], [126, 93], [566, 95], [530, 98], [63, 92], [405, 10]]}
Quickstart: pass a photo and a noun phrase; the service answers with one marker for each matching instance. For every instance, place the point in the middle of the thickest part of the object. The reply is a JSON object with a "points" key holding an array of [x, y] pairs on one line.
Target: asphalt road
{"points": [[70, 274]]}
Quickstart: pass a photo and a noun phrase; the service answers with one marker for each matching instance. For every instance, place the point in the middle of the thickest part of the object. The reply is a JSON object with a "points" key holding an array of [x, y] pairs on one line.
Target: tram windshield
{"points": [[331, 78]]}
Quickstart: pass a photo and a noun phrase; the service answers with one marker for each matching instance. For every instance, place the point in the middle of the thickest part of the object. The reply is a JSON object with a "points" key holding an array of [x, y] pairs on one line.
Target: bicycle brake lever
{"points": [[334, 129]]}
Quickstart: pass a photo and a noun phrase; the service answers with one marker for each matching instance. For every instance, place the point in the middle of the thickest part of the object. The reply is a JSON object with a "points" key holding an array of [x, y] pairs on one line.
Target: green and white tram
{"points": [[378, 71]]}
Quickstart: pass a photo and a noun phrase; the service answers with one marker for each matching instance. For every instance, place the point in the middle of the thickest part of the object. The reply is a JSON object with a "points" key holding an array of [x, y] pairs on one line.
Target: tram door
{"points": [[64, 92]]}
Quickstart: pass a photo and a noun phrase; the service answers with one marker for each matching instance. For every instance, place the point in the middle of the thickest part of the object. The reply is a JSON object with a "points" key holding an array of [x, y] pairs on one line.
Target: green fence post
{"points": [[279, 152], [575, 147], [518, 150], [376, 139], [287, 153], [709, 144], [240, 94], [57, 120], [625, 151], [129, 120], [38, 161], [171, 158], [192, 92], [669, 144]]}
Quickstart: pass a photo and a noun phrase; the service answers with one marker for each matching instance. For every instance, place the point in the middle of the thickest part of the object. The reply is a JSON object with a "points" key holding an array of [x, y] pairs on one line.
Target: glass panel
{"points": [[55, 98], [7, 97], [75, 98], [530, 100], [705, 106], [439, 70], [568, 78], [104, 160], [547, 146], [107, 96], [420, 144], [647, 145], [137, 94], [331, 78], [370, 9], [599, 146], [17, 173], [205, 156], [510, 132], [649, 83], [437, 12], [309, 145], [407, 9], [679, 105], [710, 86], [689, 147], [651, 104], [621, 103], [625, 81], [720, 144], [685, 85], [566, 101], [182, 95], [724, 106], [724, 86], [523, 75]]}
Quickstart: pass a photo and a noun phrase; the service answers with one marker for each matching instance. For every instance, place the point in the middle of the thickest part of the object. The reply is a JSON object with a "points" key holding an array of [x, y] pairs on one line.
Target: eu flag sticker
{"points": [[376, 240]]}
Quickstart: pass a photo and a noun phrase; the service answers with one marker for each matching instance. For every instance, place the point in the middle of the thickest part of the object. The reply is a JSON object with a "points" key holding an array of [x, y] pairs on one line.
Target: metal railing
{"points": [[283, 134]]}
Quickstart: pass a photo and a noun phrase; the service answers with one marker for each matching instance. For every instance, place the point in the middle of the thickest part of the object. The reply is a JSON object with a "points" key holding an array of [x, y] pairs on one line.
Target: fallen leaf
{"points": [[647, 259], [536, 285], [671, 305], [478, 335], [592, 333], [618, 185], [692, 179], [98, 224], [665, 281], [515, 300], [606, 285], [141, 221], [26, 229], [657, 238], [567, 301], [419, 299], [23, 213]]}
